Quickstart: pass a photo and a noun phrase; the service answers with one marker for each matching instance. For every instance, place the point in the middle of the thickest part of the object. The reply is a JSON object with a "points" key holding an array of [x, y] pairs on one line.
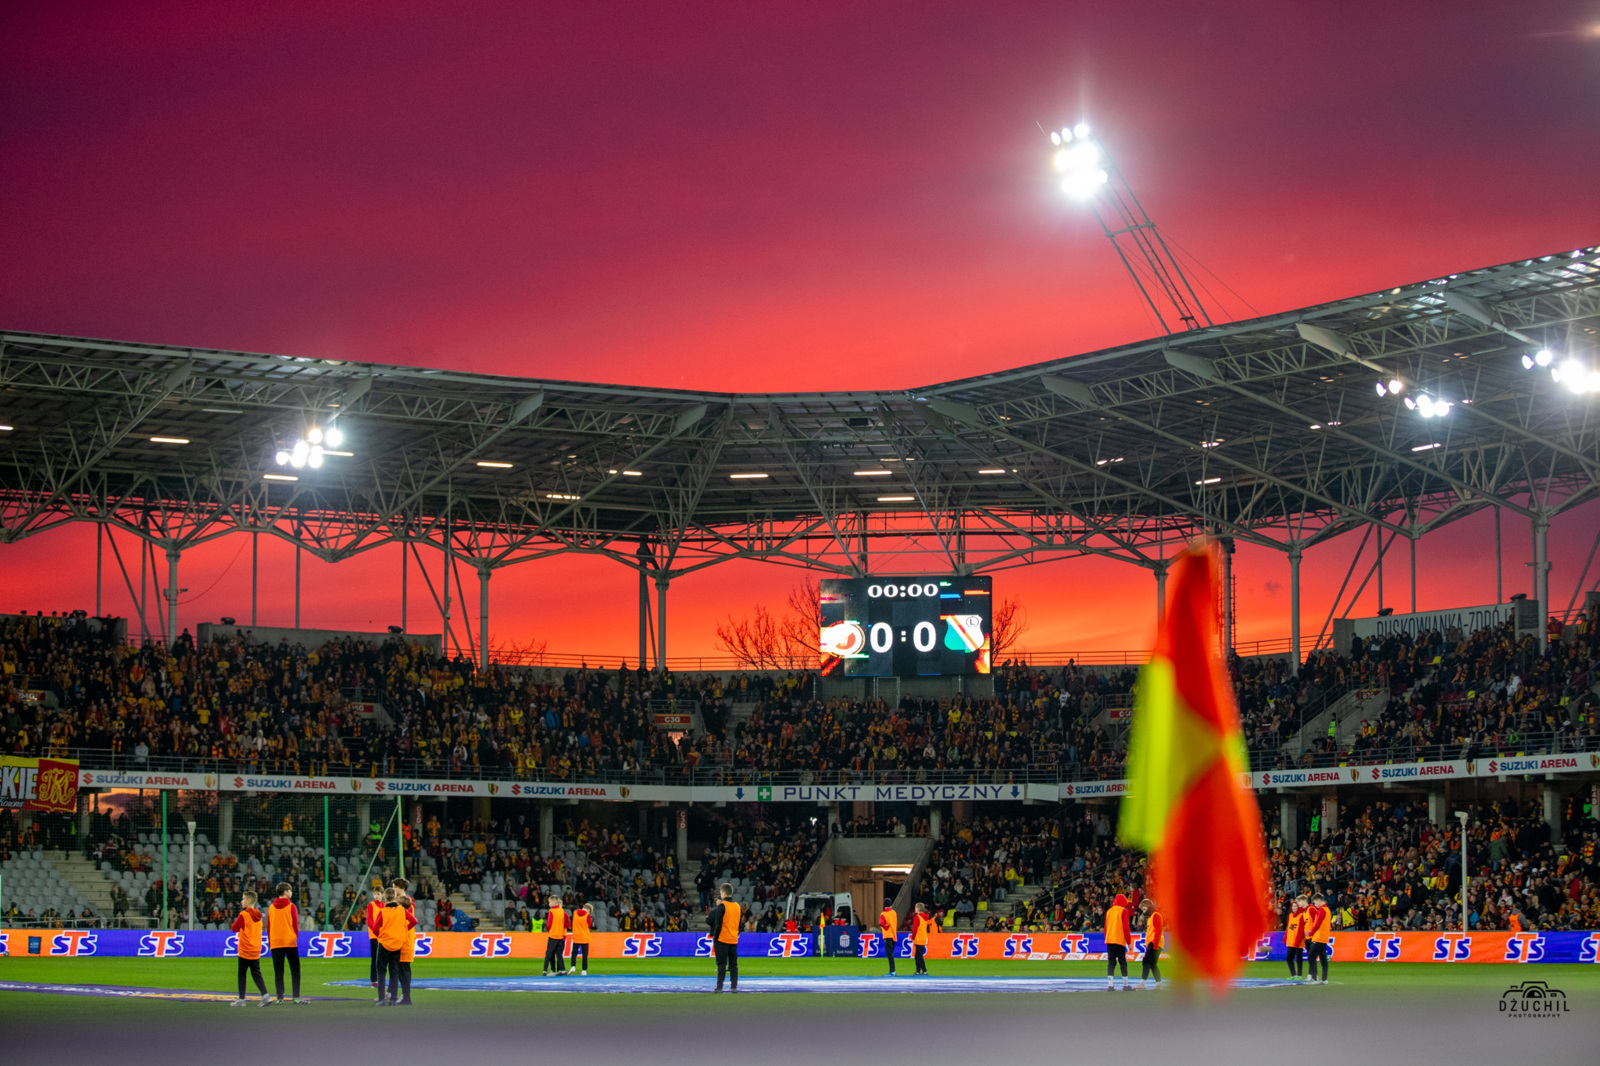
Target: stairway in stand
{"points": [[686, 875], [1010, 907], [91, 884]]}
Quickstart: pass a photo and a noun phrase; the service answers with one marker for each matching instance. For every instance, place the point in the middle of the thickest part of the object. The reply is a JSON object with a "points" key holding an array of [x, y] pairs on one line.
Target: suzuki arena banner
{"points": [[39, 784], [382, 787], [1350, 946]]}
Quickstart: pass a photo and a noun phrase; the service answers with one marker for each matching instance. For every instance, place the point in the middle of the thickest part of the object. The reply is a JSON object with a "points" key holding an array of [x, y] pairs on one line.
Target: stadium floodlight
{"points": [[169, 440], [895, 499], [1089, 175], [873, 473], [1543, 356], [333, 436], [1527, 362], [1412, 404], [493, 464], [746, 477], [1396, 386], [1383, 389]]}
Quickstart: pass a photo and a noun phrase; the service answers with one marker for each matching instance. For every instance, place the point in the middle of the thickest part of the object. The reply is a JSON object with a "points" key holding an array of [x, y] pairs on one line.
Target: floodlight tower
{"points": [[1088, 174]]}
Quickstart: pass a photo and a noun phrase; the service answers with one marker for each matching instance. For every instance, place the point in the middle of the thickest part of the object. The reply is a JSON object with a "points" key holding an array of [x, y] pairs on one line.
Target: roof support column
{"points": [[1227, 595], [1541, 576], [1499, 586], [661, 622], [1294, 605], [1161, 591], [483, 614], [172, 592], [644, 604], [1413, 574], [297, 585]]}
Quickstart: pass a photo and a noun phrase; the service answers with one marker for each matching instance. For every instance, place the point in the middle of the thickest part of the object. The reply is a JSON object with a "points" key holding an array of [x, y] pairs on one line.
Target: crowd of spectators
{"points": [[69, 689], [1459, 696], [982, 863], [771, 857], [1386, 867], [636, 881]]}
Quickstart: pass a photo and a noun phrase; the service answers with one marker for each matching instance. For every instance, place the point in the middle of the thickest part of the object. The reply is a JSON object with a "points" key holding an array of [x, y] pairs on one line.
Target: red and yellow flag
{"points": [[1186, 805]]}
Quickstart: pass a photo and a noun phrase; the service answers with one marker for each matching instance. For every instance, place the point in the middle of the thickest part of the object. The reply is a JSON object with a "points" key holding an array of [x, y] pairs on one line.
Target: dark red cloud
{"points": [[796, 196]]}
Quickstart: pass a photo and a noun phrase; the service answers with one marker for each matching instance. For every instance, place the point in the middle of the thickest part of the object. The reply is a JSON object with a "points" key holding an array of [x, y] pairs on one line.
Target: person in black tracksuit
{"points": [[724, 920]]}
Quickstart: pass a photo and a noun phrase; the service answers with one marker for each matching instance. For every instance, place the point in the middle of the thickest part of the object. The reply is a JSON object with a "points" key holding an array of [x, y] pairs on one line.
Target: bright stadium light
{"points": [[1396, 386], [1080, 162], [310, 450], [1543, 356]]}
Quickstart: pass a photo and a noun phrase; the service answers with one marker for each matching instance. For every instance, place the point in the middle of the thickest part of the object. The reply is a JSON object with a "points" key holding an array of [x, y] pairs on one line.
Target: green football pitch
{"points": [[1356, 982], [1412, 1013]]}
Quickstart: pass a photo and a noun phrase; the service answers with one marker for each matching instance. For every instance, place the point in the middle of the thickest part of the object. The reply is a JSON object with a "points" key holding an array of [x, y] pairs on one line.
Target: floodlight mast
{"points": [[1091, 175]]}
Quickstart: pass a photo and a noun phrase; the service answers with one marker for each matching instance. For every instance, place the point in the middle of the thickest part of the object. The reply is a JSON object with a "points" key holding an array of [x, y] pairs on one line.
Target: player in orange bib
{"points": [[392, 929], [1319, 938], [1119, 934], [582, 931], [1155, 938], [889, 926], [248, 928], [1294, 937], [922, 927], [408, 946], [555, 930], [368, 916], [724, 920], [283, 937]]}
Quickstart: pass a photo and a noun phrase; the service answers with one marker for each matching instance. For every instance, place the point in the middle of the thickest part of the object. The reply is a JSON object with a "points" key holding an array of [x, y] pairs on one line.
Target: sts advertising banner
{"points": [[39, 784], [1349, 946]]}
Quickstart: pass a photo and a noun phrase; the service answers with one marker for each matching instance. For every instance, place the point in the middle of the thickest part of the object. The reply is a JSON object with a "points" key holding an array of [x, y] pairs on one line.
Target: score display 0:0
{"points": [[891, 591], [924, 635]]}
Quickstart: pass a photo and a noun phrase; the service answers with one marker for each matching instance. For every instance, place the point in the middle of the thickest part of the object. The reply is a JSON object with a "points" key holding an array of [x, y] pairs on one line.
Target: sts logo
{"points": [[1261, 951], [1452, 947], [1385, 947], [871, 945], [1588, 951], [1525, 947], [329, 946], [1018, 946], [1072, 944], [490, 946], [424, 946], [73, 942], [964, 946], [702, 947], [789, 945], [161, 945], [642, 946], [230, 947]]}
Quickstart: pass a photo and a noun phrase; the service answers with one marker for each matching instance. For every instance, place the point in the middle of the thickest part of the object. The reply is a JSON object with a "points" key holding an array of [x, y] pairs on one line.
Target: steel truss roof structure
{"points": [[1268, 430]]}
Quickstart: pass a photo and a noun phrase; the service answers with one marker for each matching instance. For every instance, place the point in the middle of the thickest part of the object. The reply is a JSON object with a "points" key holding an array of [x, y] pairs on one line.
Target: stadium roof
{"points": [[1269, 430]]}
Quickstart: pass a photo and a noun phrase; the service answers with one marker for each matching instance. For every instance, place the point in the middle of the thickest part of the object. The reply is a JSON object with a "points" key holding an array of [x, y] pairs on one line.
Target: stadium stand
{"points": [[236, 705], [362, 709]]}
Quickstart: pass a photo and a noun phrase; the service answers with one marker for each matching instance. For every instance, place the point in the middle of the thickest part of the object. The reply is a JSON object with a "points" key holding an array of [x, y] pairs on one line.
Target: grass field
{"points": [[1391, 1012]]}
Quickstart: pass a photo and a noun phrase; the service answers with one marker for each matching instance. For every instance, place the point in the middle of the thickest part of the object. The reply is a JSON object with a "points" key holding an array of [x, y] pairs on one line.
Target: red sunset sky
{"points": [[760, 197]]}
